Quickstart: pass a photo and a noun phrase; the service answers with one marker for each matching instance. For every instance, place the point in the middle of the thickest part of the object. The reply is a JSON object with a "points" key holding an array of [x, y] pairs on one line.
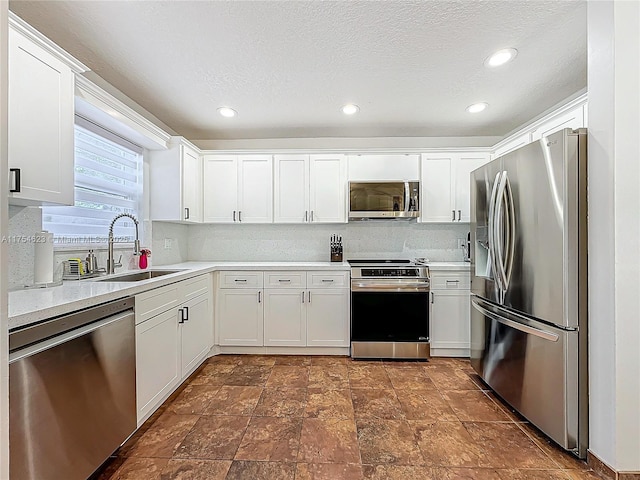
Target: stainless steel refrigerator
{"points": [[529, 283]]}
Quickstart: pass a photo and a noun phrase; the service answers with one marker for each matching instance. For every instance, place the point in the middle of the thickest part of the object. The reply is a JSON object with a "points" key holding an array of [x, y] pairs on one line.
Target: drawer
{"points": [[450, 281], [327, 279], [194, 287], [233, 279], [154, 302], [285, 279]]}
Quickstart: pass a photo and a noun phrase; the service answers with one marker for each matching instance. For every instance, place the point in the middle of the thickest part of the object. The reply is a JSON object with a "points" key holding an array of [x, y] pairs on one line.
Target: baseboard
{"points": [[605, 471], [281, 350]]}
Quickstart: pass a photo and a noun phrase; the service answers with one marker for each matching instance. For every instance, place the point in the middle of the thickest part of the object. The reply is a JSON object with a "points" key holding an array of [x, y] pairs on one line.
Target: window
{"points": [[108, 181]]}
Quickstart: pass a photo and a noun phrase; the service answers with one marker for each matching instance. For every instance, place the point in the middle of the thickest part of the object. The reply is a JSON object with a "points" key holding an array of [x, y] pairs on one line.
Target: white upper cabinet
{"points": [[574, 118], [291, 189], [445, 185], [41, 118], [238, 189], [515, 142], [175, 183], [255, 187], [328, 187], [310, 189], [384, 167]]}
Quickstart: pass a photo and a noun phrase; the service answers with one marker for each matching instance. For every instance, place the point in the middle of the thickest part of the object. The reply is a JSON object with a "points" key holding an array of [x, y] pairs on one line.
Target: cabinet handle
{"points": [[453, 215], [309, 296], [16, 180], [459, 215], [453, 281], [234, 215], [181, 315], [259, 296], [284, 280], [241, 280], [312, 215], [186, 213], [327, 280], [432, 297], [186, 313], [239, 215], [306, 214], [303, 296]]}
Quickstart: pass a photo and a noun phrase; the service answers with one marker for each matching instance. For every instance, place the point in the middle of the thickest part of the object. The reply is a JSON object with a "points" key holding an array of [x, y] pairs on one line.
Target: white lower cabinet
{"points": [[174, 334], [328, 317], [196, 325], [284, 317], [239, 317], [297, 309], [450, 314], [157, 361]]}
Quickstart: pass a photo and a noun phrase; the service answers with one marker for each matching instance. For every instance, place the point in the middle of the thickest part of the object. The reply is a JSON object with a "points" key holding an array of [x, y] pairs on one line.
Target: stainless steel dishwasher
{"points": [[72, 392]]}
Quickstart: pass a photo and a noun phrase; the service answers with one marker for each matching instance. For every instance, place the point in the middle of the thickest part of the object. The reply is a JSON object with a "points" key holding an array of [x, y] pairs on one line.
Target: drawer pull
{"points": [[284, 280], [327, 280], [453, 281], [240, 280]]}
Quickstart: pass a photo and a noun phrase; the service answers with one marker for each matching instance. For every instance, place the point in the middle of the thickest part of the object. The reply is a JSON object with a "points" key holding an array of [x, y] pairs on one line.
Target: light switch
{"points": [[168, 243]]}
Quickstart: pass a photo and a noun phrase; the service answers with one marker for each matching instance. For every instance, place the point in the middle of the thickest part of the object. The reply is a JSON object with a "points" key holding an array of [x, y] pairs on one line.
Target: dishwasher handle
{"points": [[67, 336]]}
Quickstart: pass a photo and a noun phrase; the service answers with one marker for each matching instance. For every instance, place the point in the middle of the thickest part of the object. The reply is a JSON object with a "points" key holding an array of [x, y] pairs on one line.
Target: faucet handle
{"points": [[118, 263]]}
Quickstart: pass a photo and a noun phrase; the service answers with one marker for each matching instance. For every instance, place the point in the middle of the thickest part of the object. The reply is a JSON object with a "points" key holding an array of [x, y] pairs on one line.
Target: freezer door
{"points": [[538, 220], [532, 366]]}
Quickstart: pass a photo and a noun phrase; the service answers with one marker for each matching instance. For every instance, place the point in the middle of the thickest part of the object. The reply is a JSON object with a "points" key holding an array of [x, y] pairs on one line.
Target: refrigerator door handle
{"points": [[502, 239], [513, 324], [511, 232], [492, 231]]}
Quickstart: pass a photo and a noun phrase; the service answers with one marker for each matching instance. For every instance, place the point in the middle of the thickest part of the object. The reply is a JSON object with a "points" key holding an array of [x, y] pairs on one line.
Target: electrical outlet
{"points": [[168, 243], [461, 243]]}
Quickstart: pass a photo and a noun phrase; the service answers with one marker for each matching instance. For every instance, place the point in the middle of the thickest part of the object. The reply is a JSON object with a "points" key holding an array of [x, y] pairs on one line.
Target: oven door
{"points": [[398, 315]]}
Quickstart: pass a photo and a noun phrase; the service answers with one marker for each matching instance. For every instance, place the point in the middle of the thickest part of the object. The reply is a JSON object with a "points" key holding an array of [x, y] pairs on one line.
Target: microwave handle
{"points": [[406, 196]]}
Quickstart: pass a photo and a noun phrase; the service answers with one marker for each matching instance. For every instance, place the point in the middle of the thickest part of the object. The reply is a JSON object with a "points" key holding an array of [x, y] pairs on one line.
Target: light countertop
{"points": [[449, 265], [33, 305]]}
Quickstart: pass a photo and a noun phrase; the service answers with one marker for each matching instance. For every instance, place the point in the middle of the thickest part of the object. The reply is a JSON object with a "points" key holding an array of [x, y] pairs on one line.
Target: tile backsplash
{"points": [[373, 239], [175, 243]]}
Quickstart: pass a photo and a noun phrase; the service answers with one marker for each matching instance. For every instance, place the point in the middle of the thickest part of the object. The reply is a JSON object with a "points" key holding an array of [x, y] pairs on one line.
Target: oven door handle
{"points": [[389, 287]]}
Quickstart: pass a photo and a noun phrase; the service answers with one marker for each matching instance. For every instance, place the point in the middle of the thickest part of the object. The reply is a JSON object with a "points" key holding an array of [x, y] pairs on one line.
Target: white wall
{"points": [[4, 324], [614, 232]]}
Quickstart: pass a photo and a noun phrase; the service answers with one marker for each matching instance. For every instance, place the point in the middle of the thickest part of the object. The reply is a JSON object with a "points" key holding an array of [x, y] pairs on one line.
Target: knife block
{"points": [[336, 257]]}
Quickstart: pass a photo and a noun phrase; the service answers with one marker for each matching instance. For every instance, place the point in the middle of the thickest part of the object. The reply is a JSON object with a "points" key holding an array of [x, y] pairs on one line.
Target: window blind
{"points": [[108, 181]]}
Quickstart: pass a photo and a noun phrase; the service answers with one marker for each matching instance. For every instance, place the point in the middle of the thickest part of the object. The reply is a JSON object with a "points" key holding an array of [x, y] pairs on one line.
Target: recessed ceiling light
{"points": [[350, 109], [227, 112], [477, 107], [501, 57]]}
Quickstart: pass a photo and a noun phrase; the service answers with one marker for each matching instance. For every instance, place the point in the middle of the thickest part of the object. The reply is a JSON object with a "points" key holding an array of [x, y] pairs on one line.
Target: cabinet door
{"points": [[328, 318], [255, 190], [196, 332], [41, 116], [437, 195], [573, 119], [512, 144], [327, 193], [284, 320], [291, 189], [240, 317], [157, 361], [450, 330], [220, 185], [465, 164], [191, 186]]}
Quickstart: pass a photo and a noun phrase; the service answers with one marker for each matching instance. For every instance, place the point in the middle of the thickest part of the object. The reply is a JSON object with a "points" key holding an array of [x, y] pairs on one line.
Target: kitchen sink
{"points": [[137, 276]]}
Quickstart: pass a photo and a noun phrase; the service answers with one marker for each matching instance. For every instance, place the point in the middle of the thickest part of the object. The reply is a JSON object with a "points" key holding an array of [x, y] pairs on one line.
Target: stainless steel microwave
{"points": [[380, 200]]}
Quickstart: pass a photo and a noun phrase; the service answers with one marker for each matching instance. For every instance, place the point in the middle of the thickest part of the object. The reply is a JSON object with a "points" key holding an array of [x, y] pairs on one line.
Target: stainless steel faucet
{"points": [[111, 264]]}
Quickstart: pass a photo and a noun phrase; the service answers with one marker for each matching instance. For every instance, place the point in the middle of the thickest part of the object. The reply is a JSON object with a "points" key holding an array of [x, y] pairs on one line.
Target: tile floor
{"points": [[331, 418]]}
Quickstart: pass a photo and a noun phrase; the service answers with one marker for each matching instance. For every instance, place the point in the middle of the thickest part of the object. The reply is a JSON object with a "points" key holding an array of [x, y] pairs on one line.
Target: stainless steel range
{"points": [[389, 309]]}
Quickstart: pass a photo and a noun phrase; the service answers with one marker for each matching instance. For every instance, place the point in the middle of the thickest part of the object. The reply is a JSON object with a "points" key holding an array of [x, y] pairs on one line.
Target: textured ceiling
{"points": [[288, 66]]}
